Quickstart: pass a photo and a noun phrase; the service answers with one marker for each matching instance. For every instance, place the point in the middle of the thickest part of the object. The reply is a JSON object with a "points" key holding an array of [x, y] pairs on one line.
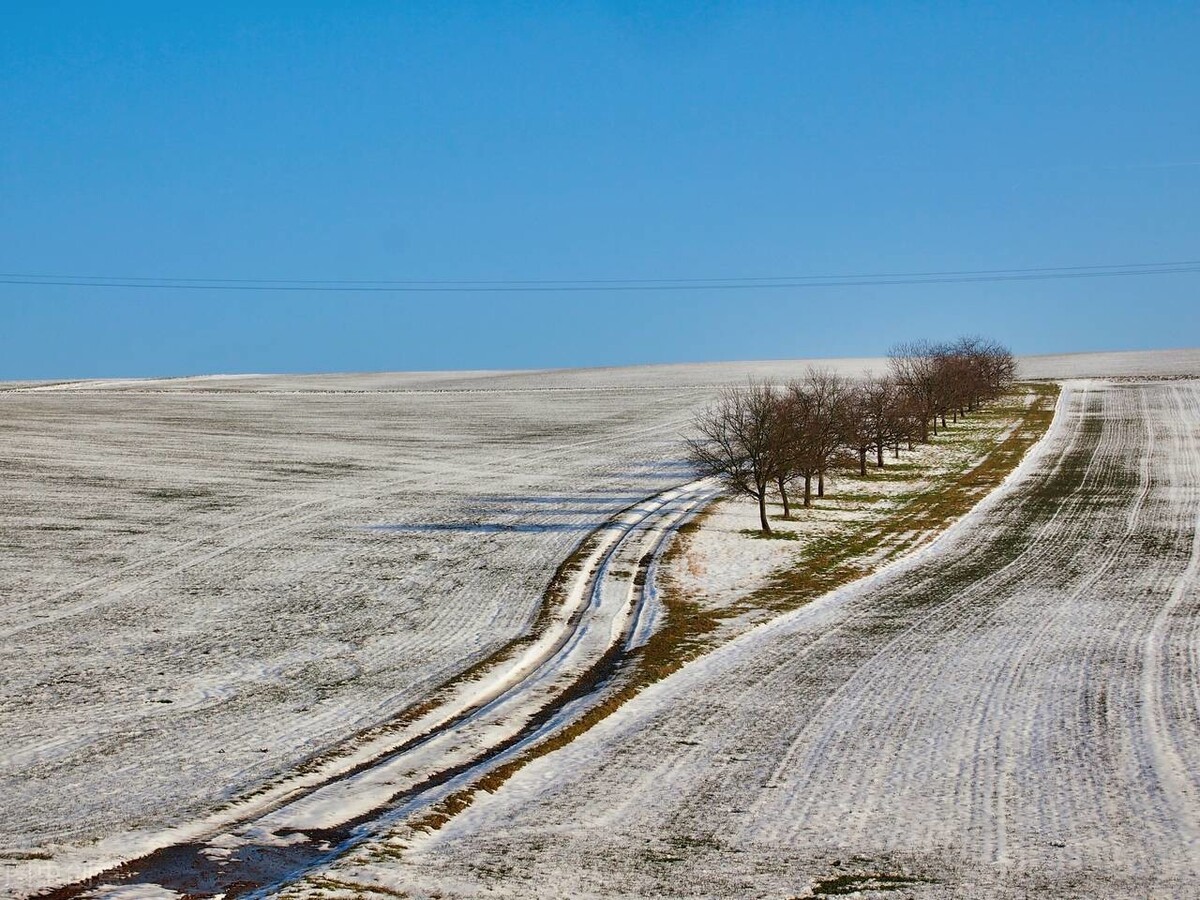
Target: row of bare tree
{"points": [[761, 438]]}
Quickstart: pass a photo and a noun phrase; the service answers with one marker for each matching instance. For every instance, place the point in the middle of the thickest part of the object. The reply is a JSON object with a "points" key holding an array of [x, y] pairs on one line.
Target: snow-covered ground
{"points": [[601, 609], [195, 595], [194, 599], [1113, 364], [1011, 712]]}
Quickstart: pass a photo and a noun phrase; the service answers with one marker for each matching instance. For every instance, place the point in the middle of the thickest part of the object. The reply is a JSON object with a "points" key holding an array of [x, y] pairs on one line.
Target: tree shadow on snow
{"points": [[587, 509], [486, 527]]}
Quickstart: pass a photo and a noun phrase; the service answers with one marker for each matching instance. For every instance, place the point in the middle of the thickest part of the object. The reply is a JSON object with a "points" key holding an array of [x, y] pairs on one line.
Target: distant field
{"points": [[1121, 363], [207, 581]]}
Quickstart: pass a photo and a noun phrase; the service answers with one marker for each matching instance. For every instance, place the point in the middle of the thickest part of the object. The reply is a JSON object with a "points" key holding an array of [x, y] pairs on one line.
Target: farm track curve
{"points": [[504, 709]]}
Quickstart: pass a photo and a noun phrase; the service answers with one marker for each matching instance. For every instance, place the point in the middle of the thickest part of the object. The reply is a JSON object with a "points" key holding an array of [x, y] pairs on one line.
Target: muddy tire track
{"points": [[524, 696]]}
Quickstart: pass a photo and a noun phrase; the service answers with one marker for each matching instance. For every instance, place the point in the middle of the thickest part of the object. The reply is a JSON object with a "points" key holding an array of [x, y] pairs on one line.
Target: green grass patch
{"points": [[775, 535], [886, 474], [859, 497], [842, 885]]}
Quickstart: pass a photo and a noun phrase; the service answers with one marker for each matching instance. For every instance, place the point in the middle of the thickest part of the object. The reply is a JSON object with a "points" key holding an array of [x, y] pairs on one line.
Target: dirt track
{"points": [[508, 706]]}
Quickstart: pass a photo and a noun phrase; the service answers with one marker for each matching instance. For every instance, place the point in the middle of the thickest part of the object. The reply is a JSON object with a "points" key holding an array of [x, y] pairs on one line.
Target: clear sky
{"points": [[631, 140]]}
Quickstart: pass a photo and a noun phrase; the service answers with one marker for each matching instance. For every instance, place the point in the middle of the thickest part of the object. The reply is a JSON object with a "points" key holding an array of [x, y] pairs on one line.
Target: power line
{"points": [[331, 282], [605, 285]]}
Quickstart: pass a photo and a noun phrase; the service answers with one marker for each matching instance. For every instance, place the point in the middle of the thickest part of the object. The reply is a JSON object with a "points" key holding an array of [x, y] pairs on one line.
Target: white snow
{"points": [[1009, 712], [194, 598]]}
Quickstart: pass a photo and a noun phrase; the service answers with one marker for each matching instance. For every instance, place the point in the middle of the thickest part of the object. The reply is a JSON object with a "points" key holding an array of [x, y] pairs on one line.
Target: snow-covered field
{"points": [[1013, 712], [195, 596]]}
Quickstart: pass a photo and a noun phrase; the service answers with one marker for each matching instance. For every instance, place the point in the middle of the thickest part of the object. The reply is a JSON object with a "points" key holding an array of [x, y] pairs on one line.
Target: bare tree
{"points": [[947, 377], [806, 433], [950, 379], [739, 442], [906, 421], [756, 438], [977, 370], [825, 394], [797, 460], [915, 366], [878, 404], [970, 374], [854, 424], [999, 368], [788, 436]]}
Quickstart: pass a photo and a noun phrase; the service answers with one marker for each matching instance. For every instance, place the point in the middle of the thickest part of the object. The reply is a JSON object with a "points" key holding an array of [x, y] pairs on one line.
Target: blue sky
{"points": [[375, 141]]}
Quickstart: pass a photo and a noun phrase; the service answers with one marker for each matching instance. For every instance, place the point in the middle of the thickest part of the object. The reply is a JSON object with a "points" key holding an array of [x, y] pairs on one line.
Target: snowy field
{"points": [[1121, 363], [201, 590], [208, 581], [1012, 712]]}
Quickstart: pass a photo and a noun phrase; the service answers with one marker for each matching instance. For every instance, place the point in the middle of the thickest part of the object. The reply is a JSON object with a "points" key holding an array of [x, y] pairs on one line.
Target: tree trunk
{"points": [[879, 454], [943, 420], [787, 509], [862, 460], [762, 511], [807, 491], [898, 448], [821, 483]]}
